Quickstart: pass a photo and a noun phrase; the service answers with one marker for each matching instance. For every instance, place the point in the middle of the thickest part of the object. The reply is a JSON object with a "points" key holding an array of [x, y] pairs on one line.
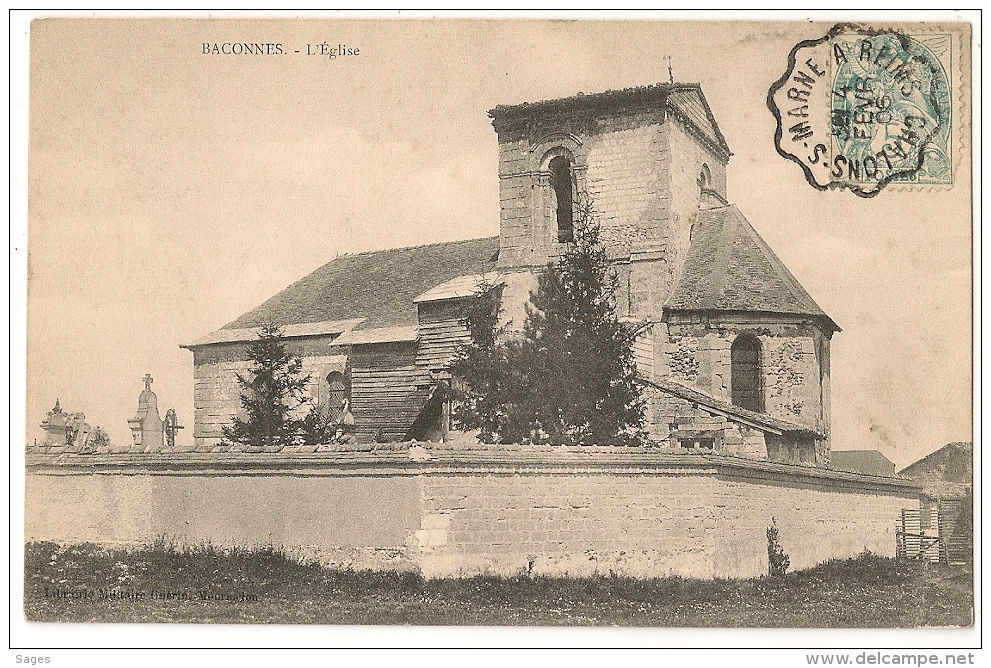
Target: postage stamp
{"points": [[862, 108]]}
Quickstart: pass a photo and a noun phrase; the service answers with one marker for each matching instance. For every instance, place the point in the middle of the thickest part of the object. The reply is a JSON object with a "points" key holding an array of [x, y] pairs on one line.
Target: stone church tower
{"points": [[738, 352], [647, 157]]}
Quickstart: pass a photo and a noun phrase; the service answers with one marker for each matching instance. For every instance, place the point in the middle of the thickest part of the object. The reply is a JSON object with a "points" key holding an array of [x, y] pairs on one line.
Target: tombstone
{"points": [[76, 432], [147, 427], [54, 428], [65, 432]]}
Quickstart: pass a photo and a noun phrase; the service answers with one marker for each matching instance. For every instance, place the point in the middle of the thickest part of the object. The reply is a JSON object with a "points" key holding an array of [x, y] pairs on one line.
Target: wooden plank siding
{"points": [[442, 334], [388, 389]]}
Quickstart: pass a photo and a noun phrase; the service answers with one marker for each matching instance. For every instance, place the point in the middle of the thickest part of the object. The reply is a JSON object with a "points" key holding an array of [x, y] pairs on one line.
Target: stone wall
{"points": [[620, 159], [640, 167], [216, 393], [453, 511], [794, 364], [328, 511], [672, 420], [688, 156]]}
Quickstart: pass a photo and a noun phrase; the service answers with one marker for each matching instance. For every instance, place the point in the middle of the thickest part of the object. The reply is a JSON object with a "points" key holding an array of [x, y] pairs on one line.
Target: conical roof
{"points": [[730, 268]]}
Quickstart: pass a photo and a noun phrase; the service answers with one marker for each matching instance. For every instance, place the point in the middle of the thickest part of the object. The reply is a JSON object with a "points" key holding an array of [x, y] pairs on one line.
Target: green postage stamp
{"points": [[862, 108]]}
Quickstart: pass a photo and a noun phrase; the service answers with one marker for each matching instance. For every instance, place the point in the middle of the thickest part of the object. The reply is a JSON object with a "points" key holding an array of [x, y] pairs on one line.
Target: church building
{"points": [[736, 357]]}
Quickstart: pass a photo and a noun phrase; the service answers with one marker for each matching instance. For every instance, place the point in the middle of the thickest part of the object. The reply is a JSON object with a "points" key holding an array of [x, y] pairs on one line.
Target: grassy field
{"points": [[83, 583]]}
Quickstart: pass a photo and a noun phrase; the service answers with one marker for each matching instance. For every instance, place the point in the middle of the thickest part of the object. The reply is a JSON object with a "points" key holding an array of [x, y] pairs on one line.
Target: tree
{"points": [[570, 377], [272, 395]]}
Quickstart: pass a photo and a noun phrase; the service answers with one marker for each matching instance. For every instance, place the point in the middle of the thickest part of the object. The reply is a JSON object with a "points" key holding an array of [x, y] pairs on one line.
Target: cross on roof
{"points": [[148, 381]]}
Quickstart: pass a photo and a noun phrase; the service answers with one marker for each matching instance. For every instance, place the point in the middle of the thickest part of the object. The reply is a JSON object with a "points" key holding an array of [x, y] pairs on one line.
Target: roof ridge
{"points": [[377, 284], [402, 248], [934, 455], [720, 261], [729, 267], [659, 86]]}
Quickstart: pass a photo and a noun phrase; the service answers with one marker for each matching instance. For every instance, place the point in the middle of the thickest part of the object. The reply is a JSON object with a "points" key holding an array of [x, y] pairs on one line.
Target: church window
{"points": [[745, 381], [563, 186], [705, 179], [337, 394]]}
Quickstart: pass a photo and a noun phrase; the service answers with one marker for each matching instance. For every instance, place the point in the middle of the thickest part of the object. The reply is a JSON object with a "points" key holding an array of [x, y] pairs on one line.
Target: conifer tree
{"points": [[272, 393], [571, 376]]}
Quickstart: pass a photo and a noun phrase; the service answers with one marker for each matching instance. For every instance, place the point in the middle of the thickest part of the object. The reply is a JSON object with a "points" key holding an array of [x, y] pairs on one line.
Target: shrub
{"points": [[777, 560]]}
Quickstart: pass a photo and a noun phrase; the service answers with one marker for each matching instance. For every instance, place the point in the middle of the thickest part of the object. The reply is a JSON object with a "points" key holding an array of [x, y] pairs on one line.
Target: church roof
{"points": [[954, 462], [685, 101], [710, 403], [379, 286], [871, 462], [730, 268]]}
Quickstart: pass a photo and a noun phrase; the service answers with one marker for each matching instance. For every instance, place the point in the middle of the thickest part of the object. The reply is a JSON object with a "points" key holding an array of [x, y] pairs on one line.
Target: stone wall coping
{"points": [[440, 459]]}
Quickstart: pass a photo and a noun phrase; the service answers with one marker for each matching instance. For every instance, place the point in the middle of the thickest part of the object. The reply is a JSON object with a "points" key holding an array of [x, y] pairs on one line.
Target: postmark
{"points": [[861, 108]]}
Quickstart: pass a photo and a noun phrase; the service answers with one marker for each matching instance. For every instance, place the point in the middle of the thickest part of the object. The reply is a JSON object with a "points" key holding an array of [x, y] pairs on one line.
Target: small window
{"points": [[337, 394], [563, 187], [746, 379], [697, 443], [705, 179]]}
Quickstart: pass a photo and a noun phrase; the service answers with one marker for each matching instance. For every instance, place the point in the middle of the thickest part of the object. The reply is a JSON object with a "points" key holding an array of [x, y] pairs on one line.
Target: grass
{"points": [[67, 583]]}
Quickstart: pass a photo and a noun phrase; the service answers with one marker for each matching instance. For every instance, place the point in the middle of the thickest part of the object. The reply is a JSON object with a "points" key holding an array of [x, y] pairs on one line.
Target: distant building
{"points": [[870, 462], [737, 357], [947, 473], [946, 506]]}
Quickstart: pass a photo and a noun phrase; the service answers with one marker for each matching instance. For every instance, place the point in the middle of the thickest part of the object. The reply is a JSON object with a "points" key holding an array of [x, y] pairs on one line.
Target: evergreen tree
{"points": [[272, 395], [571, 376]]}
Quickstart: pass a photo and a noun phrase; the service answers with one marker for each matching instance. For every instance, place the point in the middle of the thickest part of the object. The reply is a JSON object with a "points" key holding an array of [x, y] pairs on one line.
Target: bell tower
{"points": [[646, 158]]}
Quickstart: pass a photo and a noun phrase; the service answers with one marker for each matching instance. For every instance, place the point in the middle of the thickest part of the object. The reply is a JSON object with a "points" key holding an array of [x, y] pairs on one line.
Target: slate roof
{"points": [[946, 473], [730, 268], [763, 421], [870, 462], [379, 286], [953, 462]]}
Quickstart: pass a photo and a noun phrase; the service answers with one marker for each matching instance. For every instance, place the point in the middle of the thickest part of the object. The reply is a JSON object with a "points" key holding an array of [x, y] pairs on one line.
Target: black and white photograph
{"points": [[518, 322]]}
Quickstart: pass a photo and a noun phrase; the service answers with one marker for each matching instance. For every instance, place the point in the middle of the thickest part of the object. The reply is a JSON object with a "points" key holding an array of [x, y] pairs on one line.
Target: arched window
{"points": [[745, 382], [337, 393], [563, 187], [705, 179]]}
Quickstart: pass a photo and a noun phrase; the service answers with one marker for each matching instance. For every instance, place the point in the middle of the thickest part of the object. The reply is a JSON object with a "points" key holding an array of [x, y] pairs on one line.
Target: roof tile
{"points": [[379, 286], [730, 268]]}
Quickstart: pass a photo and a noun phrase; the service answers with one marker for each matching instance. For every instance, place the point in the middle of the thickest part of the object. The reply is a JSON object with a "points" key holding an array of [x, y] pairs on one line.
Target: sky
{"points": [[169, 191]]}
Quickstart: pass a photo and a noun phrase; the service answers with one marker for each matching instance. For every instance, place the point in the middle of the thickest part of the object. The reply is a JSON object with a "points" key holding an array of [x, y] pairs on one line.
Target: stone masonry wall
{"points": [[688, 156], [576, 524], [698, 354], [670, 419], [642, 172], [482, 509], [693, 523], [333, 516], [216, 393], [815, 522], [619, 159]]}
